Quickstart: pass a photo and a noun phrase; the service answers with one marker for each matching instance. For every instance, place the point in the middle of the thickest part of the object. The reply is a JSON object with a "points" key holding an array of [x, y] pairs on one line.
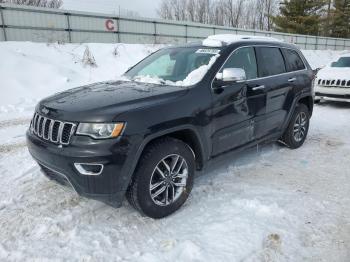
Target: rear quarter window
{"points": [[293, 60], [270, 61]]}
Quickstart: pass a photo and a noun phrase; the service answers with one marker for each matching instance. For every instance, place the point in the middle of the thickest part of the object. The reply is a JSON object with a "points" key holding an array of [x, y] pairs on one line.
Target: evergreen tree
{"points": [[340, 19], [299, 16]]}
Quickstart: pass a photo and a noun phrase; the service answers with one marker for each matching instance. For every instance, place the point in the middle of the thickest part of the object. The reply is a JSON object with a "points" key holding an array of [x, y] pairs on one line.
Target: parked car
{"points": [[333, 81], [145, 136]]}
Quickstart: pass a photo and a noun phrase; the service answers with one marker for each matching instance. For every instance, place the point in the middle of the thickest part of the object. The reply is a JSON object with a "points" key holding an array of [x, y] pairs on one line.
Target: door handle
{"points": [[258, 87], [292, 79]]}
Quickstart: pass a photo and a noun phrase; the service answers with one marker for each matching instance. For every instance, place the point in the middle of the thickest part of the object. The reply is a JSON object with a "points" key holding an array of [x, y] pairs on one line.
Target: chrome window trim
{"points": [[264, 77]]}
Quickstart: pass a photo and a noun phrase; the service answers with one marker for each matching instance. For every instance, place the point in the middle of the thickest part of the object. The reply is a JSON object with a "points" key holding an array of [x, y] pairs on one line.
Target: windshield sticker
{"points": [[208, 51]]}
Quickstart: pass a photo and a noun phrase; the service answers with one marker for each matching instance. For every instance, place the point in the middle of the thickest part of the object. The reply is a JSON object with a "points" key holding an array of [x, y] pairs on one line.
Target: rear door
{"points": [[278, 84]]}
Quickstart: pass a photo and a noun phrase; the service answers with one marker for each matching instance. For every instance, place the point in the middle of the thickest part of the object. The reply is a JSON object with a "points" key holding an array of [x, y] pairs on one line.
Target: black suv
{"points": [[143, 137]]}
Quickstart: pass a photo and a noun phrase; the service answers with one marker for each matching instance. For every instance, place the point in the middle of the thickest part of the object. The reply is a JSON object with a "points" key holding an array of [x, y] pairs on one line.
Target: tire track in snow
{"points": [[13, 147], [14, 122], [9, 148]]}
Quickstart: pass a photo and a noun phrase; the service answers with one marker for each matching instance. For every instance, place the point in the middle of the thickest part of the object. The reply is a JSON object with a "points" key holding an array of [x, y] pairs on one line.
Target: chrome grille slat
{"points": [[50, 129], [60, 129], [37, 125], [55, 138], [45, 128], [334, 83]]}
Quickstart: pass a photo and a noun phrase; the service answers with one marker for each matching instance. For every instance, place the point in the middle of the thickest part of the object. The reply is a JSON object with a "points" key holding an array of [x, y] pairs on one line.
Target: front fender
{"points": [[135, 156]]}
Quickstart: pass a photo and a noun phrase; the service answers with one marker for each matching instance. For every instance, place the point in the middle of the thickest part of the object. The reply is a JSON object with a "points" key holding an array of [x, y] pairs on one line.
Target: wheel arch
{"points": [[308, 101], [188, 134], [305, 99]]}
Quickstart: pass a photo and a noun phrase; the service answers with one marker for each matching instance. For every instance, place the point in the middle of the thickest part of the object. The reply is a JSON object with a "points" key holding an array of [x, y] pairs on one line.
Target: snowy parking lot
{"points": [[268, 203]]}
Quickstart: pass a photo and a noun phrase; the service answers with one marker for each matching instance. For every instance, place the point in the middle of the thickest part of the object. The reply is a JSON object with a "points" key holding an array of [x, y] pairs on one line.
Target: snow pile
{"points": [[191, 79], [225, 39], [196, 75], [32, 71]]}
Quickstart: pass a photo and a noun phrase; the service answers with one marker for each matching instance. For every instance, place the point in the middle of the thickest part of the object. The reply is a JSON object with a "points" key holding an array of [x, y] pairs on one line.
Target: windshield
{"points": [[342, 62], [182, 66]]}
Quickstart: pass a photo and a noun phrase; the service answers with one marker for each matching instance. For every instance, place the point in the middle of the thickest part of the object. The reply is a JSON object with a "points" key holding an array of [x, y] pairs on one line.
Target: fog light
{"points": [[88, 169]]}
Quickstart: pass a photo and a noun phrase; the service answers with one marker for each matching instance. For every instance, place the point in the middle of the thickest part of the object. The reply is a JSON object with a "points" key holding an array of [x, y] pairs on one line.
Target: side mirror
{"points": [[231, 75]]}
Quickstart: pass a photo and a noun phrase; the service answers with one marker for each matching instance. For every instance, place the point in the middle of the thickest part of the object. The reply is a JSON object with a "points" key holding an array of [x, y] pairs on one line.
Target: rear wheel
{"points": [[163, 179], [298, 127]]}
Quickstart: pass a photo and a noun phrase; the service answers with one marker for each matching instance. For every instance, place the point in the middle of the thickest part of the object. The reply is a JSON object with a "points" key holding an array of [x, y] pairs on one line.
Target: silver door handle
{"points": [[292, 79], [258, 87]]}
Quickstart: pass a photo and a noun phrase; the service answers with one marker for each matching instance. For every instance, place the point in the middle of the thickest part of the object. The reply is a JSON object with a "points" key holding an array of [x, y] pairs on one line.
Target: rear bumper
{"points": [[57, 162]]}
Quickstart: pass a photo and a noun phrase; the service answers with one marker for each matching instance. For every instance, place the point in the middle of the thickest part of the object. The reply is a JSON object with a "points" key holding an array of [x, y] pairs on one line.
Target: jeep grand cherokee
{"points": [[144, 137]]}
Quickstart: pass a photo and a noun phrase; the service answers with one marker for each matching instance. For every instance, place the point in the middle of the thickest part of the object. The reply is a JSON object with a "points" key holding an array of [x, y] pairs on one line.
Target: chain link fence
{"points": [[20, 23]]}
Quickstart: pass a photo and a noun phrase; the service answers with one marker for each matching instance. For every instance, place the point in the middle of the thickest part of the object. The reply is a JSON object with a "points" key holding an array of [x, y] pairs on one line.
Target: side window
{"points": [[243, 58], [294, 62], [270, 61]]}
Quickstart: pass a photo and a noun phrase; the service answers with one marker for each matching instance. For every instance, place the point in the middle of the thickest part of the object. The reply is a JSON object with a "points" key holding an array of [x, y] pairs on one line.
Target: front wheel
{"points": [[163, 179], [296, 132]]}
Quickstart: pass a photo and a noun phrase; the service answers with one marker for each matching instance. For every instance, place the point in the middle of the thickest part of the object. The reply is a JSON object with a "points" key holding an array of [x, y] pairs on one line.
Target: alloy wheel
{"points": [[168, 180], [300, 125]]}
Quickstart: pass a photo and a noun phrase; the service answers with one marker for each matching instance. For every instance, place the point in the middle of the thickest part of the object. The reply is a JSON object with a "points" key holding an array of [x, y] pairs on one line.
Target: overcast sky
{"points": [[145, 8]]}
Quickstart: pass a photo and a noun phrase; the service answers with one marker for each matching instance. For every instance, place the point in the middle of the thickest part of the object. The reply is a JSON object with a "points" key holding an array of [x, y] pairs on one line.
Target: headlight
{"points": [[100, 131]]}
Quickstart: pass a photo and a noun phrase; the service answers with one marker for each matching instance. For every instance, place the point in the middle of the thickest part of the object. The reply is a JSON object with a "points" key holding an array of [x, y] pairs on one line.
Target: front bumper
{"points": [[58, 162], [333, 93]]}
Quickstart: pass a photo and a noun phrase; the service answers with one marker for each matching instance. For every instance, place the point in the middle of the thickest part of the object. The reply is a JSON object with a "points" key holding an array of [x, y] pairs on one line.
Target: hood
{"points": [[104, 101], [334, 73]]}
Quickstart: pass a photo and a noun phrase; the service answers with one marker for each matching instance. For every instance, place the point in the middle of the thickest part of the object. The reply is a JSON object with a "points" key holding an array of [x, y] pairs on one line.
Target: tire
{"points": [[151, 171], [296, 132]]}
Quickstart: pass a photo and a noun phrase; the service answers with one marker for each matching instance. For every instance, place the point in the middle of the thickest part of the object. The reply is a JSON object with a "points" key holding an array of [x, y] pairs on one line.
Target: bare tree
{"points": [[191, 9], [165, 10], [38, 3], [253, 14]]}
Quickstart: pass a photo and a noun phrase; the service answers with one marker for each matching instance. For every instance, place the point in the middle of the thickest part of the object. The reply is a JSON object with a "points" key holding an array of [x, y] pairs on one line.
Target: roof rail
{"points": [[226, 39]]}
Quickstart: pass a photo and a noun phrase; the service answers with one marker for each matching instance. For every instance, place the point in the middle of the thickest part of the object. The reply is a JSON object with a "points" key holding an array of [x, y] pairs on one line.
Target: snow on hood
{"points": [[225, 39], [192, 78], [328, 72]]}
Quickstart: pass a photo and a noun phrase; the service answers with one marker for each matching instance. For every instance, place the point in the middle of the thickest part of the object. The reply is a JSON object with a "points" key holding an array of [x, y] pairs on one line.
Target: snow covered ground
{"points": [[265, 204]]}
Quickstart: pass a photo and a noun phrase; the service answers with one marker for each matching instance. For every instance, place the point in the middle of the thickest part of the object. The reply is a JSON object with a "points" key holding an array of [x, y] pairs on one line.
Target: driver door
{"points": [[234, 105]]}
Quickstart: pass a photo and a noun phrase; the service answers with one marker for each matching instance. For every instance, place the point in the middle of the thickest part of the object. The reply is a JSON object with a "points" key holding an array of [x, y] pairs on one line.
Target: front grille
{"points": [[52, 130], [333, 82]]}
